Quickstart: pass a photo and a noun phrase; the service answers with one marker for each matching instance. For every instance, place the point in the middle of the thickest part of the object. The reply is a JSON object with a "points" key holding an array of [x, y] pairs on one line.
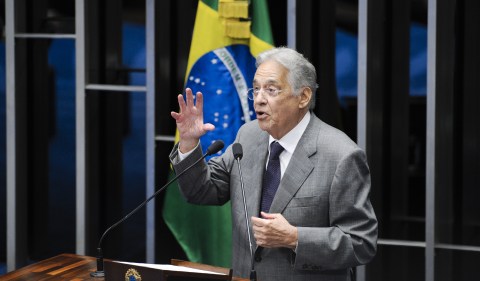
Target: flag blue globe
{"points": [[223, 76]]}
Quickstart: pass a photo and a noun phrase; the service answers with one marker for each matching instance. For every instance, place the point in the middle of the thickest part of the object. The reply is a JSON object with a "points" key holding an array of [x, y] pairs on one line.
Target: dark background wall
{"points": [[396, 129]]}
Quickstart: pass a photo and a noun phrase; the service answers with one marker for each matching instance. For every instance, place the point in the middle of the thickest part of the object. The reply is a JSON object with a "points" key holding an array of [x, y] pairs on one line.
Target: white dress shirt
{"points": [[289, 142]]}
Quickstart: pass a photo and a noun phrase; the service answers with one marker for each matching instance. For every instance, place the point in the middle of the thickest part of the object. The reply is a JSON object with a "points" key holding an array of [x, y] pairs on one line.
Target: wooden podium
{"points": [[121, 271], [78, 268]]}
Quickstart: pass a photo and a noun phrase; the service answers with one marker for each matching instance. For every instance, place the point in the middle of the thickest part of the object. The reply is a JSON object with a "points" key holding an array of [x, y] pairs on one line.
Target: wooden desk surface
{"points": [[62, 267]]}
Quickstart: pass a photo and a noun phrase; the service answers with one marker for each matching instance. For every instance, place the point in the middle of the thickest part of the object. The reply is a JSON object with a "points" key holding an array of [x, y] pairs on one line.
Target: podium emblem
{"points": [[132, 275]]}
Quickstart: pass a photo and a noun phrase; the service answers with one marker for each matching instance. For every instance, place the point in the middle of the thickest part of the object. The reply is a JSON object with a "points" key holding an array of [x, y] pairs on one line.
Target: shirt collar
{"points": [[290, 140]]}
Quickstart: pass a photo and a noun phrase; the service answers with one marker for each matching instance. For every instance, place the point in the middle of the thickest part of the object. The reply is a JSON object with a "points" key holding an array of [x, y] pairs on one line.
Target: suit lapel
{"points": [[299, 168], [253, 175]]}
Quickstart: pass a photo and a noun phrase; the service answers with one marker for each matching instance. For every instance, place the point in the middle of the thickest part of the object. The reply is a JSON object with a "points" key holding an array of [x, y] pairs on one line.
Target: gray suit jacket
{"points": [[324, 193]]}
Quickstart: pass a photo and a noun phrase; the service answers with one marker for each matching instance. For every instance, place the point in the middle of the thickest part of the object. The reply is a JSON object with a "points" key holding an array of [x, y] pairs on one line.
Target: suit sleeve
{"points": [[204, 184], [351, 238]]}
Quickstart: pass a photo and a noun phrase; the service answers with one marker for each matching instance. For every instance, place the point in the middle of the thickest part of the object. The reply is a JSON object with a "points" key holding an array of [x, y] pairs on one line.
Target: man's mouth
{"points": [[261, 114]]}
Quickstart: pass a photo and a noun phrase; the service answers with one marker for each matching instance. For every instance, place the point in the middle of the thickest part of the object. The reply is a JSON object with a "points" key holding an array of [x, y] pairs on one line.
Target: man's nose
{"points": [[261, 98]]}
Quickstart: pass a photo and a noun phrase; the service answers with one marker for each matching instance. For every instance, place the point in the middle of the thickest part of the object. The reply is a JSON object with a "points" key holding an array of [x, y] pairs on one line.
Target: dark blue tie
{"points": [[271, 178]]}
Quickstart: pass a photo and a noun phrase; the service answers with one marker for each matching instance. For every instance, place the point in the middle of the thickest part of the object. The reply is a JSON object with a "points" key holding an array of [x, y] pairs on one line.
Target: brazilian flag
{"points": [[227, 36]]}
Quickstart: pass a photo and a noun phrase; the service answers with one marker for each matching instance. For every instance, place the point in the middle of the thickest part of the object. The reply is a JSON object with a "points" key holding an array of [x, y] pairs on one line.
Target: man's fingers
{"points": [[268, 215], [181, 103], [199, 103], [190, 102], [175, 115], [257, 221], [208, 127]]}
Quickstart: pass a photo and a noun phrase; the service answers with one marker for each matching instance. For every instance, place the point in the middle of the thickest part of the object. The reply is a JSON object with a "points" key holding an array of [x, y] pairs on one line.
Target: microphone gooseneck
{"points": [[213, 148], [238, 154]]}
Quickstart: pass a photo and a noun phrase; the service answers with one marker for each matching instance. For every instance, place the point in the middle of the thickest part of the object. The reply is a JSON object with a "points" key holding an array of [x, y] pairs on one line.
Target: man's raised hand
{"points": [[190, 120]]}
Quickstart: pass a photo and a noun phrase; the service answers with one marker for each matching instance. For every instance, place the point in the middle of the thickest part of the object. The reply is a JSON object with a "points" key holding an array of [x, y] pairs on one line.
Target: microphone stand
{"points": [[253, 273], [213, 148]]}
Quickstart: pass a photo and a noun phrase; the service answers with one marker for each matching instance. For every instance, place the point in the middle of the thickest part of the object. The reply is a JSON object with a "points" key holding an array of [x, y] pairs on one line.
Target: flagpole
{"points": [[291, 23]]}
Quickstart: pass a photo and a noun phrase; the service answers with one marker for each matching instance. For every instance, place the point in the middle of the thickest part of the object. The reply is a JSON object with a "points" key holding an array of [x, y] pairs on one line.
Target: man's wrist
{"points": [[183, 155], [187, 146], [294, 244]]}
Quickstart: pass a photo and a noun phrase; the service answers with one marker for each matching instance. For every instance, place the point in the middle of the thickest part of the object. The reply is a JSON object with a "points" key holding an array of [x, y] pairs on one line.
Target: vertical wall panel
{"points": [[81, 204], [150, 131]]}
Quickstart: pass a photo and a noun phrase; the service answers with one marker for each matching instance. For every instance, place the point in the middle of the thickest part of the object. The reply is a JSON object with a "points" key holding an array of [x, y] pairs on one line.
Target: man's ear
{"points": [[305, 97]]}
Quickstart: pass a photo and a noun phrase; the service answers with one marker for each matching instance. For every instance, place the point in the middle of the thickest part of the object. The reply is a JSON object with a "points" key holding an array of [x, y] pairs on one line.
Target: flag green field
{"points": [[227, 36]]}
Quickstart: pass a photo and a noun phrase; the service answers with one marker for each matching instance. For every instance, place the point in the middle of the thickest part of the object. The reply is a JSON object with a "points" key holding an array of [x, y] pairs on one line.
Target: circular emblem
{"points": [[132, 275]]}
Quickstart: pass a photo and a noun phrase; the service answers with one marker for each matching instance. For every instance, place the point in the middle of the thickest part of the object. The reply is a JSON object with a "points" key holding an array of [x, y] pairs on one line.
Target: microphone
{"points": [[238, 154], [213, 148]]}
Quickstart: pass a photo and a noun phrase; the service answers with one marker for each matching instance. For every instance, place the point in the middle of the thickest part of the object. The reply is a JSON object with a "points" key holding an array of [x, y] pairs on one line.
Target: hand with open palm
{"points": [[190, 120]]}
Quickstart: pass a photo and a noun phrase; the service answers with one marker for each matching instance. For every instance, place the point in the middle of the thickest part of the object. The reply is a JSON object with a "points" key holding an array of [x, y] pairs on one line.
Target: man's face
{"points": [[279, 114]]}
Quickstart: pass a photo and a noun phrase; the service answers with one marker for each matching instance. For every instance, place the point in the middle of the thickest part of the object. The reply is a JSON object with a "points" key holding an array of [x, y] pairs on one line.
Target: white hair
{"points": [[301, 73]]}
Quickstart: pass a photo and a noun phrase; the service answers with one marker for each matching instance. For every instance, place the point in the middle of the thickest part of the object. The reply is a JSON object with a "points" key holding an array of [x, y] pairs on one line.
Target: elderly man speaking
{"points": [[306, 183]]}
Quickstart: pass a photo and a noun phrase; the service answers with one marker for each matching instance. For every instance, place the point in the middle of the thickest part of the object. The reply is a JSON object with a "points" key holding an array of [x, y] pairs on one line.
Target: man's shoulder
{"points": [[332, 138], [251, 127]]}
